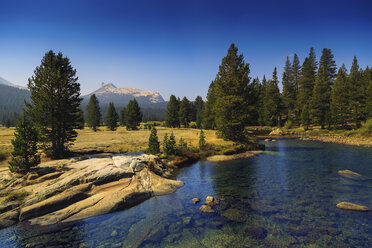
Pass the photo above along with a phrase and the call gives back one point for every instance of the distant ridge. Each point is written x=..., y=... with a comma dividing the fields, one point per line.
x=108, y=92
x=6, y=82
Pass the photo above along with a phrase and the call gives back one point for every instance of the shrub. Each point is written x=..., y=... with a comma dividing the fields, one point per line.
x=235, y=149
x=288, y=124
x=16, y=196
x=182, y=146
x=368, y=125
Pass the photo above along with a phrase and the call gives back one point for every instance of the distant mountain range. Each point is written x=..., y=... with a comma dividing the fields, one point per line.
x=152, y=103
x=121, y=96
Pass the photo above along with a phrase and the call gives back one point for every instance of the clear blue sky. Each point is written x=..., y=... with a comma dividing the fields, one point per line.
x=175, y=47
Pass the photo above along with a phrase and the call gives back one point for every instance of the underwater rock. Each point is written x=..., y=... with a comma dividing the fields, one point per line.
x=303, y=203
x=234, y=215
x=114, y=233
x=255, y=232
x=330, y=231
x=206, y=209
x=352, y=207
x=209, y=201
x=195, y=200
x=267, y=140
x=260, y=208
x=175, y=227
x=298, y=231
x=281, y=218
x=351, y=175
x=186, y=220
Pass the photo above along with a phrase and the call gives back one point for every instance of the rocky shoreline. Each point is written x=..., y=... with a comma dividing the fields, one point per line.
x=68, y=190
x=225, y=158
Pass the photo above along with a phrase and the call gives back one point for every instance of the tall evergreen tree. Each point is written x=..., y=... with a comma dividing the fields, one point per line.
x=272, y=101
x=357, y=93
x=93, y=113
x=322, y=89
x=296, y=74
x=262, y=117
x=122, y=117
x=231, y=94
x=133, y=115
x=208, y=121
x=25, y=154
x=80, y=118
x=289, y=89
x=339, y=98
x=171, y=114
x=112, y=117
x=305, y=116
x=368, y=83
x=199, y=106
x=55, y=99
x=185, y=112
x=307, y=80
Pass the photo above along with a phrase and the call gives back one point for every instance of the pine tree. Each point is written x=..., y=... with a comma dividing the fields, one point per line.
x=307, y=80
x=80, y=118
x=253, y=102
x=289, y=89
x=305, y=117
x=339, y=98
x=93, y=113
x=55, y=99
x=368, y=83
x=202, y=142
x=272, y=101
x=171, y=114
x=185, y=112
x=112, y=117
x=122, y=117
x=208, y=121
x=154, y=145
x=133, y=115
x=25, y=154
x=357, y=93
x=169, y=144
x=320, y=100
x=262, y=117
x=199, y=106
x=296, y=74
x=8, y=123
x=231, y=93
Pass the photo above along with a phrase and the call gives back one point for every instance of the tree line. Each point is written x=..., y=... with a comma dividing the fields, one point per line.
x=314, y=93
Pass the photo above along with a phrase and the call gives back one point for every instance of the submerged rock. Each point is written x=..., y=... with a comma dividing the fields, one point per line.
x=195, y=200
x=234, y=215
x=256, y=232
x=209, y=201
x=352, y=207
x=206, y=209
x=352, y=175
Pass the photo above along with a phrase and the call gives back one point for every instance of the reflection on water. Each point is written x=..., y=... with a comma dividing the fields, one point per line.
x=285, y=197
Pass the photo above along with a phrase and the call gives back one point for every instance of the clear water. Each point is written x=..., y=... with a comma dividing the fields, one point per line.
x=293, y=189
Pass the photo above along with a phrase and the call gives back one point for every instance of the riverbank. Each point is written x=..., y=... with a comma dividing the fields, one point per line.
x=352, y=137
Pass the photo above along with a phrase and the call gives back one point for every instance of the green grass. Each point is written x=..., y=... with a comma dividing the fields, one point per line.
x=19, y=196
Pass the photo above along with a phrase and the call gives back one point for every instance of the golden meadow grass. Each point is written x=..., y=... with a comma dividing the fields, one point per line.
x=121, y=140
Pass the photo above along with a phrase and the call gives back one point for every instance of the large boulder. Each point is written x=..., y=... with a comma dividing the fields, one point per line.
x=77, y=188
